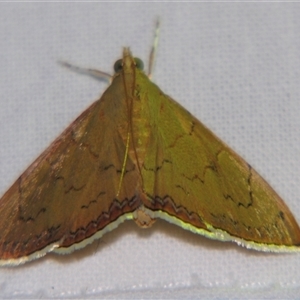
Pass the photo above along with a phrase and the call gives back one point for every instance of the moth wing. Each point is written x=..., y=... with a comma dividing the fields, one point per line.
x=198, y=182
x=70, y=191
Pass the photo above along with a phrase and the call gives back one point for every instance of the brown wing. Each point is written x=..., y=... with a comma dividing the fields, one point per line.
x=204, y=186
x=71, y=191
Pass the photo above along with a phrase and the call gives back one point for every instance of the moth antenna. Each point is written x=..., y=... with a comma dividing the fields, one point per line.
x=152, y=55
x=90, y=72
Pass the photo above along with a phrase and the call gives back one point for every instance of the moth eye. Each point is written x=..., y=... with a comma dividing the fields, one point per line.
x=118, y=66
x=139, y=63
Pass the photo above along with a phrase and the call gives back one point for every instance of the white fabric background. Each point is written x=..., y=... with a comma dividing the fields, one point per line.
x=236, y=66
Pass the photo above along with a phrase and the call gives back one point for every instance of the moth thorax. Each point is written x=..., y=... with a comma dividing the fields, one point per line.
x=143, y=217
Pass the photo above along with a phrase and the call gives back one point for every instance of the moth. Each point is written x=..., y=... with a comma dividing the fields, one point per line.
x=137, y=154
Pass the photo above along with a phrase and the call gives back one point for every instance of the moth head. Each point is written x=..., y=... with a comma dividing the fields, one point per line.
x=118, y=66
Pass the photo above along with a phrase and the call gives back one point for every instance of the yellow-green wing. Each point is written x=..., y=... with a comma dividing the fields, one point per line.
x=73, y=189
x=194, y=180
